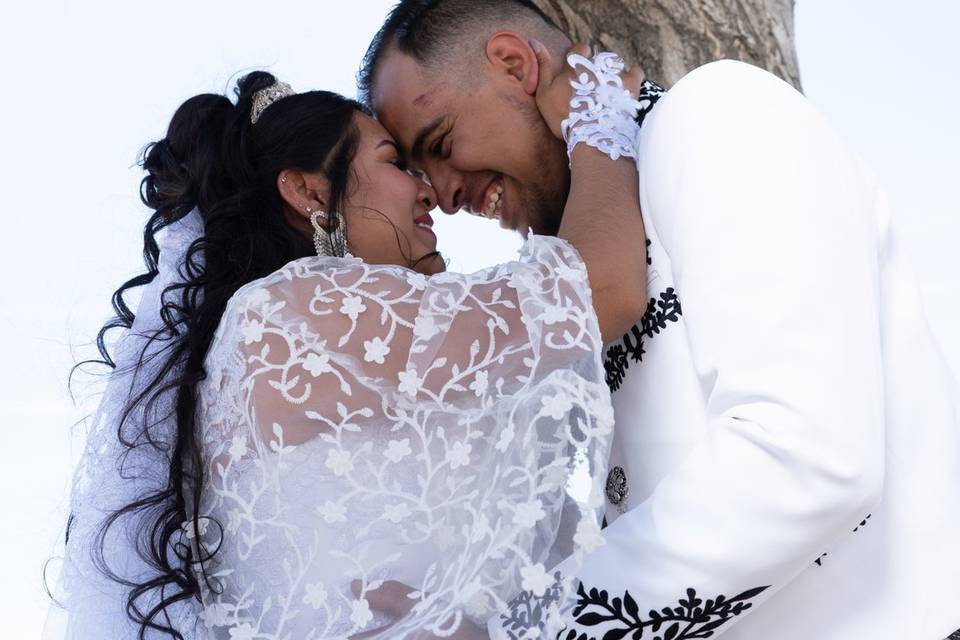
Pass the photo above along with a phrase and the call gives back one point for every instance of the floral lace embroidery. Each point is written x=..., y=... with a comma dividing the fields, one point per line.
x=366, y=423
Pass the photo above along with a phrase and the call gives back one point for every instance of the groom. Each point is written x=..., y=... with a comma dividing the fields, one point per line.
x=787, y=455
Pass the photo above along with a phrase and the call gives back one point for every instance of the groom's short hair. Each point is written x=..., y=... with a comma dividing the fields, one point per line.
x=437, y=33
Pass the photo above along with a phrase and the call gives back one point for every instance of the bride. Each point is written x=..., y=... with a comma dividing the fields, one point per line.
x=305, y=405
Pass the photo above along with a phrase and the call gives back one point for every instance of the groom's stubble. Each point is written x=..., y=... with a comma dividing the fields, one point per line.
x=545, y=200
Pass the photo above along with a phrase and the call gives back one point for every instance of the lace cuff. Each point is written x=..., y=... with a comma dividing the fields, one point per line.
x=602, y=112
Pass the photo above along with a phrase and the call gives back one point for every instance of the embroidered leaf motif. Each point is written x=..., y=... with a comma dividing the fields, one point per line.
x=692, y=618
x=662, y=310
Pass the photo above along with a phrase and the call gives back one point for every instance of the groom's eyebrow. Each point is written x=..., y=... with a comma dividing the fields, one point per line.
x=417, y=150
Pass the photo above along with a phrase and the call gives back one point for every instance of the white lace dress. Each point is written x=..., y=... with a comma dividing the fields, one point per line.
x=363, y=423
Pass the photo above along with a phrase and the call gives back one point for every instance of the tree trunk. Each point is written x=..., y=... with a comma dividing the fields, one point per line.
x=668, y=38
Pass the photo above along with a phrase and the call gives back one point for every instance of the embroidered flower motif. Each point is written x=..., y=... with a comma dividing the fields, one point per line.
x=459, y=454
x=360, y=614
x=333, y=512
x=201, y=529
x=258, y=297
x=396, y=512
x=478, y=605
x=352, y=307
x=215, y=614
x=480, y=383
x=554, y=314
x=535, y=579
x=566, y=272
x=243, y=632
x=238, y=447
x=602, y=410
x=588, y=535
x=233, y=521
x=506, y=437
x=480, y=528
x=339, y=461
x=397, y=450
x=614, y=97
x=409, y=382
x=317, y=364
x=424, y=327
x=375, y=350
x=417, y=281
x=315, y=596
x=528, y=514
x=252, y=331
x=556, y=406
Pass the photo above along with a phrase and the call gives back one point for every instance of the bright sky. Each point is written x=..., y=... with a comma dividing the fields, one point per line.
x=87, y=84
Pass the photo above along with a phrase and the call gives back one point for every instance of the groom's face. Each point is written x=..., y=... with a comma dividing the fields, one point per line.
x=475, y=136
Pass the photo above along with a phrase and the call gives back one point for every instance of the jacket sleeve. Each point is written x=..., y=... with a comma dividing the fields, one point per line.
x=770, y=228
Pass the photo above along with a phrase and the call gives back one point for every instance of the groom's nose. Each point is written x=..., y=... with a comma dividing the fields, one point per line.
x=449, y=186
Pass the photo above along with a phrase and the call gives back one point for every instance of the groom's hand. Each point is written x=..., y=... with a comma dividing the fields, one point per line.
x=392, y=598
x=553, y=83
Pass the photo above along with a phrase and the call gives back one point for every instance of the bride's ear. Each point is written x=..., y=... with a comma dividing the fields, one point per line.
x=303, y=192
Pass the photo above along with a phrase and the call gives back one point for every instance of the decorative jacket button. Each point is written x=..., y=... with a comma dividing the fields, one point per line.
x=617, y=488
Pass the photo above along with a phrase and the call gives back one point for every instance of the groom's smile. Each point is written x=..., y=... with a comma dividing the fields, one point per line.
x=478, y=137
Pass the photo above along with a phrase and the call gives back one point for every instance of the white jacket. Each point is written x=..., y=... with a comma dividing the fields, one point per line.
x=788, y=432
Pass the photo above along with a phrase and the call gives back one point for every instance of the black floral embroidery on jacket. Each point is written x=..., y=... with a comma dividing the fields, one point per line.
x=650, y=94
x=617, y=358
x=863, y=523
x=692, y=618
x=660, y=311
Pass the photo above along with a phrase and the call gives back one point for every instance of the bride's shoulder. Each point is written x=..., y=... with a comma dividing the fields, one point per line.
x=319, y=279
x=300, y=270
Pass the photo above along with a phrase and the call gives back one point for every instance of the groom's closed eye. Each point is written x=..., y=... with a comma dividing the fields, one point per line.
x=416, y=150
x=436, y=149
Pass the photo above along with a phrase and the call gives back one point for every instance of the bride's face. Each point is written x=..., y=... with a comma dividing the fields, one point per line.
x=387, y=209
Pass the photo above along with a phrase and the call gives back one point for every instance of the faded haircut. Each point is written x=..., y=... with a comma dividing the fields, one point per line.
x=451, y=34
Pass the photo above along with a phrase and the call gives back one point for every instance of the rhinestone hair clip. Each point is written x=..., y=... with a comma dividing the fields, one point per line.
x=266, y=97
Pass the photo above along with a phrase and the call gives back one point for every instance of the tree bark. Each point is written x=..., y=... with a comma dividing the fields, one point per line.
x=669, y=38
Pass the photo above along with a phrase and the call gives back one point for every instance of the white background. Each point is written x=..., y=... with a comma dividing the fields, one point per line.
x=85, y=85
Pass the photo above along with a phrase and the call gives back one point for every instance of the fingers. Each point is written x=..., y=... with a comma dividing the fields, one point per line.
x=581, y=48
x=391, y=598
x=633, y=79
x=544, y=63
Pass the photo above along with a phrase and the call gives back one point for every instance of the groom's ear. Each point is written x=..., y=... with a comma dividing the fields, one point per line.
x=511, y=59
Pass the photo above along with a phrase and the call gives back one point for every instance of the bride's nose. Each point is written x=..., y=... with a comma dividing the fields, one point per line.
x=426, y=194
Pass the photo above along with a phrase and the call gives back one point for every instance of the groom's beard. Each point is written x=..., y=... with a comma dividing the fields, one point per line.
x=547, y=186
x=547, y=202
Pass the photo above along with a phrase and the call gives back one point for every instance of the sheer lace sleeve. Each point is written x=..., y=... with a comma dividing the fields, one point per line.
x=369, y=423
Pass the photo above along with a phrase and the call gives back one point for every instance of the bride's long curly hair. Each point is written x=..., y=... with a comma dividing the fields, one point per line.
x=213, y=159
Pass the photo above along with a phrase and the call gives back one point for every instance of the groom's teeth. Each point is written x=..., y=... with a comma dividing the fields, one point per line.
x=493, y=204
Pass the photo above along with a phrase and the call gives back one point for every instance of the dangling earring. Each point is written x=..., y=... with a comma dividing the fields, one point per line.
x=321, y=239
x=328, y=243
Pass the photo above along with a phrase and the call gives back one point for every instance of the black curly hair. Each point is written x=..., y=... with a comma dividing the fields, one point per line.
x=215, y=160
